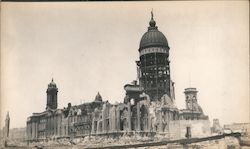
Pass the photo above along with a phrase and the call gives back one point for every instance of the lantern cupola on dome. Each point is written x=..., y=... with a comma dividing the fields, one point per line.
x=153, y=37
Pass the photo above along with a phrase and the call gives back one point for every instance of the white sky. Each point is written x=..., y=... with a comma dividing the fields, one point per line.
x=91, y=47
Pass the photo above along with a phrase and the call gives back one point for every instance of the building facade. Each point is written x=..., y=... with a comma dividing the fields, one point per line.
x=148, y=108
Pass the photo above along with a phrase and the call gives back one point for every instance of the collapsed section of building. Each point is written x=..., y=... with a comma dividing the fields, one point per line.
x=148, y=108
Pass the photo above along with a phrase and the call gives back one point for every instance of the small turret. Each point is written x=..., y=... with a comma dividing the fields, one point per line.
x=191, y=100
x=98, y=97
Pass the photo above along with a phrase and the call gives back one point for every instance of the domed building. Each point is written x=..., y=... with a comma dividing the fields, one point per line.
x=153, y=67
x=148, y=109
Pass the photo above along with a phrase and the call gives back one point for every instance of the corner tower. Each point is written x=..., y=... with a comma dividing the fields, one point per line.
x=153, y=67
x=191, y=98
x=52, y=95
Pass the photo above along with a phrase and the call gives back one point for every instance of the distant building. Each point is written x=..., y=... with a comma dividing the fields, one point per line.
x=17, y=134
x=238, y=127
x=148, y=108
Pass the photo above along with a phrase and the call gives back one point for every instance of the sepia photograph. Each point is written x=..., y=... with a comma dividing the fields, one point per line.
x=141, y=74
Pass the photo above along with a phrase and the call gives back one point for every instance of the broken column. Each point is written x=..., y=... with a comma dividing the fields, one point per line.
x=138, y=117
x=160, y=120
x=129, y=116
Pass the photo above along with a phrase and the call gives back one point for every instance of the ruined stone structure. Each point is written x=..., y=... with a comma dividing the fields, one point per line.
x=193, y=110
x=216, y=128
x=148, y=108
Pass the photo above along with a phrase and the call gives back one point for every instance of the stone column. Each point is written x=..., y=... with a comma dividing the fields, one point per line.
x=67, y=128
x=113, y=119
x=103, y=119
x=118, y=119
x=27, y=131
x=46, y=127
x=149, y=121
x=93, y=126
x=129, y=116
x=33, y=130
x=36, y=130
x=55, y=124
x=138, y=117
x=59, y=124
x=111, y=122
x=160, y=118
x=49, y=127
x=170, y=116
x=98, y=127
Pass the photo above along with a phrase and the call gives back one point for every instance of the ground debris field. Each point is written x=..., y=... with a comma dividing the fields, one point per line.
x=226, y=142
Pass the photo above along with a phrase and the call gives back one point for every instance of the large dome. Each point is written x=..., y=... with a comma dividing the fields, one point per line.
x=153, y=37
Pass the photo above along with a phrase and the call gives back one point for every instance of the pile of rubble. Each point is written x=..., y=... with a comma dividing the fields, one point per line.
x=97, y=141
x=101, y=141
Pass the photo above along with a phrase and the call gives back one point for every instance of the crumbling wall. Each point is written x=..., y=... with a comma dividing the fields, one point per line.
x=199, y=128
x=174, y=130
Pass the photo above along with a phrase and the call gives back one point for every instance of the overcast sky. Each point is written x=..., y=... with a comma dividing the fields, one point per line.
x=91, y=47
